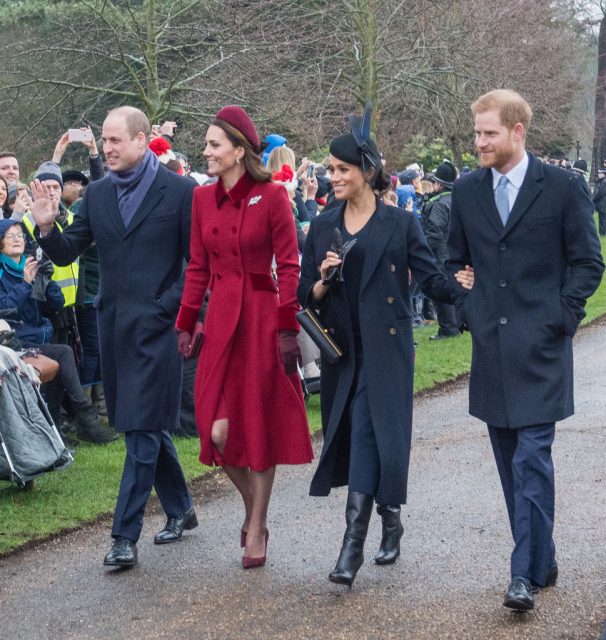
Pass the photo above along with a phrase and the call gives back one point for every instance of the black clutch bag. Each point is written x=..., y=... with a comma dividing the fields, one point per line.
x=197, y=340
x=308, y=319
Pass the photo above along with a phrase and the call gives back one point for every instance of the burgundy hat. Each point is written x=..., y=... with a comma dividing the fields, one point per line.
x=239, y=119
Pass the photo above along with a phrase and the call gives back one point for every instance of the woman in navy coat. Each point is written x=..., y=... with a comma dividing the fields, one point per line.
x=366, y=397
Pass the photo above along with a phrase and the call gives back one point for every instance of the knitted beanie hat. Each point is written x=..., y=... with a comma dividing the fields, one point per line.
x=49, y=171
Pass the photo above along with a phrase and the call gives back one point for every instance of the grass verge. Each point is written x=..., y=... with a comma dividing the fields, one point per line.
x=87, y=490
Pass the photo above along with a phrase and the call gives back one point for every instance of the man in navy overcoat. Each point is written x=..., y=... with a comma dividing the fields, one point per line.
x=139, y=215
x=528, y=231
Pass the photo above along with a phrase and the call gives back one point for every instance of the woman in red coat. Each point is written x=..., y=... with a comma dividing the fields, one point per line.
x=249, y=405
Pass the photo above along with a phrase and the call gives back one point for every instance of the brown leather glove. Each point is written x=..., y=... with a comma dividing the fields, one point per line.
x=290, y=353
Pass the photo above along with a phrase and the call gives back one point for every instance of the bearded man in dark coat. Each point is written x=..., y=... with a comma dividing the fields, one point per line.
x=139, y=215
x=528, y=231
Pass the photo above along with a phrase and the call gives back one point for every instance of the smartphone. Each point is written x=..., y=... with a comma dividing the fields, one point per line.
x=311, y=167
x=79, y=135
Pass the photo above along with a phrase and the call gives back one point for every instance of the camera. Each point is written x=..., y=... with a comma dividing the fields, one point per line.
x=311, y=167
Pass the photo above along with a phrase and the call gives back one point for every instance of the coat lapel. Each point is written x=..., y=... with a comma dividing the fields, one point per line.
x=380, y=234
x=529, y=192
x=150, y=202
x=113, y=210
x=485, y=200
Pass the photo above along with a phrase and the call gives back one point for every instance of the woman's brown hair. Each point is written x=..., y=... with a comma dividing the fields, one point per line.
x=5, y=210
x=252, y=162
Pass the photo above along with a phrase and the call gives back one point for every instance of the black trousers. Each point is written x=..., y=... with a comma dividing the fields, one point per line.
x=151, y=461
x=447, y=319
x=67, y=380
x=90, y=369
x=525, y=466
x=602, y=222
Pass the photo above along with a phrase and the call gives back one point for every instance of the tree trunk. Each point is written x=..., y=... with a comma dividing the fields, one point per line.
x=599, y=135
x=365, y=21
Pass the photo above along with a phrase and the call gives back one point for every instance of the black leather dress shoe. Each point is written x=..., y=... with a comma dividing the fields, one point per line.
x=122, y=554
x=174, y=527
x=519, y=595
x=550, y=581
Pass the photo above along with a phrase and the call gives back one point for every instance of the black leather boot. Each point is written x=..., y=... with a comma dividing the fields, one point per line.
x=392, y=532
x=89, y=428
x=357, y=517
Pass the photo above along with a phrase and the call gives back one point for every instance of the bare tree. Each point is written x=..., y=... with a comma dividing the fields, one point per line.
x=299, y=66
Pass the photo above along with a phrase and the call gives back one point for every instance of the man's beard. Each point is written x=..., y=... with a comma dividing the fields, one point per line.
x=498, y=158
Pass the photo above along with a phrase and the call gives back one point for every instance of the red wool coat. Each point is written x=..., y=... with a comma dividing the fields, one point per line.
x=234, y=237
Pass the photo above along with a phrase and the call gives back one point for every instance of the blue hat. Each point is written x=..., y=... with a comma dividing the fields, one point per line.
x=6, y=224
x=273, y=141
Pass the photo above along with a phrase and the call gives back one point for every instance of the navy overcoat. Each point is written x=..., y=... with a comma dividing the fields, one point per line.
x=532, y=278
x=395, y=245
x=139, y=294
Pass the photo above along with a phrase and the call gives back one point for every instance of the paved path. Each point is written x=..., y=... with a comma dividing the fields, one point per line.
x=449, y=582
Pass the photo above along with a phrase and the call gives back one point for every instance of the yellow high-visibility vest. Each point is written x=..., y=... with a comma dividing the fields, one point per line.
x=65, y=277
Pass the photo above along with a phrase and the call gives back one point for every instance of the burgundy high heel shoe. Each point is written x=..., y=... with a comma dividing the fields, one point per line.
x=243, y=538
x=253, y=563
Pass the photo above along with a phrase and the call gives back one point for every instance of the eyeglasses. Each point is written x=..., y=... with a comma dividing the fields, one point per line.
x=15, y=236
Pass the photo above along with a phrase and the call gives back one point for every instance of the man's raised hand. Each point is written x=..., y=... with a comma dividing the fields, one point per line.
x=42, y=209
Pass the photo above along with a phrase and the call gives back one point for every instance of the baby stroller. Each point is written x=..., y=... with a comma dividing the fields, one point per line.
x=30, y=444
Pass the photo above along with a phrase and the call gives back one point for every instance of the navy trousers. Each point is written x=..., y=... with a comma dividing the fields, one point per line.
x=364, y=465
x=523, y=458
x=151, y=461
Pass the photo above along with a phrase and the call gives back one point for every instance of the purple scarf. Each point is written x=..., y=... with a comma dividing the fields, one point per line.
x=132, y=186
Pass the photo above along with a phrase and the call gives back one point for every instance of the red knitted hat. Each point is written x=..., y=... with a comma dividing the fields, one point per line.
x=239, y=119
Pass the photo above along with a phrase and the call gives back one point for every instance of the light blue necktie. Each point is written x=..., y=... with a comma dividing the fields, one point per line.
x=501, y=198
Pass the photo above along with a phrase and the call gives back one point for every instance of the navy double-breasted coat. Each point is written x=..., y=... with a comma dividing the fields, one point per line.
x=532, y=279
x=396, y=244
x=139, y=293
